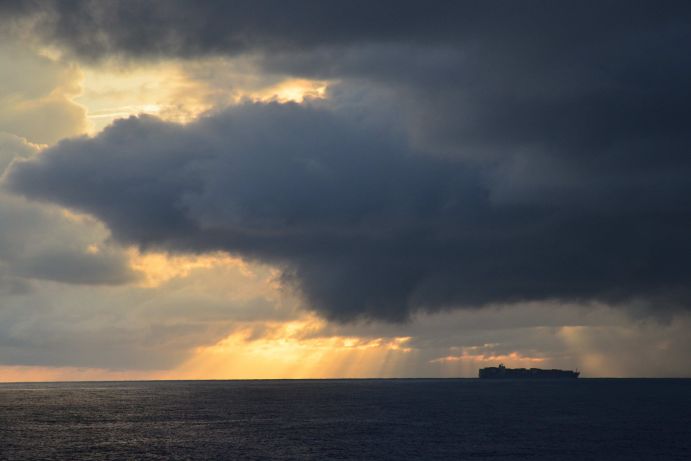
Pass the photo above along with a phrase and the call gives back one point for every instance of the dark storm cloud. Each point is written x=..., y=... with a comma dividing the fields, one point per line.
x=364, y=225
x=563, y=129
x=534, y=29
x=591, y=86
x=92, y=29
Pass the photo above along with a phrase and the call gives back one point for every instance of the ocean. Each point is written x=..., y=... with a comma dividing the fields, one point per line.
x=399, y=419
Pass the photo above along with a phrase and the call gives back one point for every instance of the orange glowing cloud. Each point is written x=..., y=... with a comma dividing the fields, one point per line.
x=159, y=267
x=293, y=90
x=181, y=93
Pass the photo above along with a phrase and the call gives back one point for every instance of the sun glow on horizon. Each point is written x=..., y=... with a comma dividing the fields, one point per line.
x=274, y=350
x=297, y=349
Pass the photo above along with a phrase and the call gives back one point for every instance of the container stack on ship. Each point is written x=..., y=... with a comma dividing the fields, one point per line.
x=501, y=372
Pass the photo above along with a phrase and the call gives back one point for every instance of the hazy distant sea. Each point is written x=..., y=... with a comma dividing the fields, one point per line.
x=584, y=419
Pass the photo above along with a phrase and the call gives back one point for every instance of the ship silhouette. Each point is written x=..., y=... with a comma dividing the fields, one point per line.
x=501, y=372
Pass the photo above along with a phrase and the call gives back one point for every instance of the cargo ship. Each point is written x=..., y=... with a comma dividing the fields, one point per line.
x=501, y=372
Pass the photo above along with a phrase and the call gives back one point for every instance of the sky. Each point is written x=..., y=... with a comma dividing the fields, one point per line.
x=258, y=189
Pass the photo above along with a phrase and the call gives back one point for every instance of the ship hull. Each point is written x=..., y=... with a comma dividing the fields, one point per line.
x=525, y=373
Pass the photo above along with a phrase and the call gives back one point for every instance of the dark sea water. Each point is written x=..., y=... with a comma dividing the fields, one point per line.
x=584, y=419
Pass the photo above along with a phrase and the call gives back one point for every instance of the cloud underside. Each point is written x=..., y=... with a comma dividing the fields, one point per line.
x=472, y=153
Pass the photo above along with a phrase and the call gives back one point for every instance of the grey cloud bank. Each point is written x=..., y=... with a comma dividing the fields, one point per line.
x=39, y=242
x=131, y=328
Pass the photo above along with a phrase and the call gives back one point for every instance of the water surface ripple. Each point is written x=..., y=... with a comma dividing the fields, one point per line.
x=584, y=419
